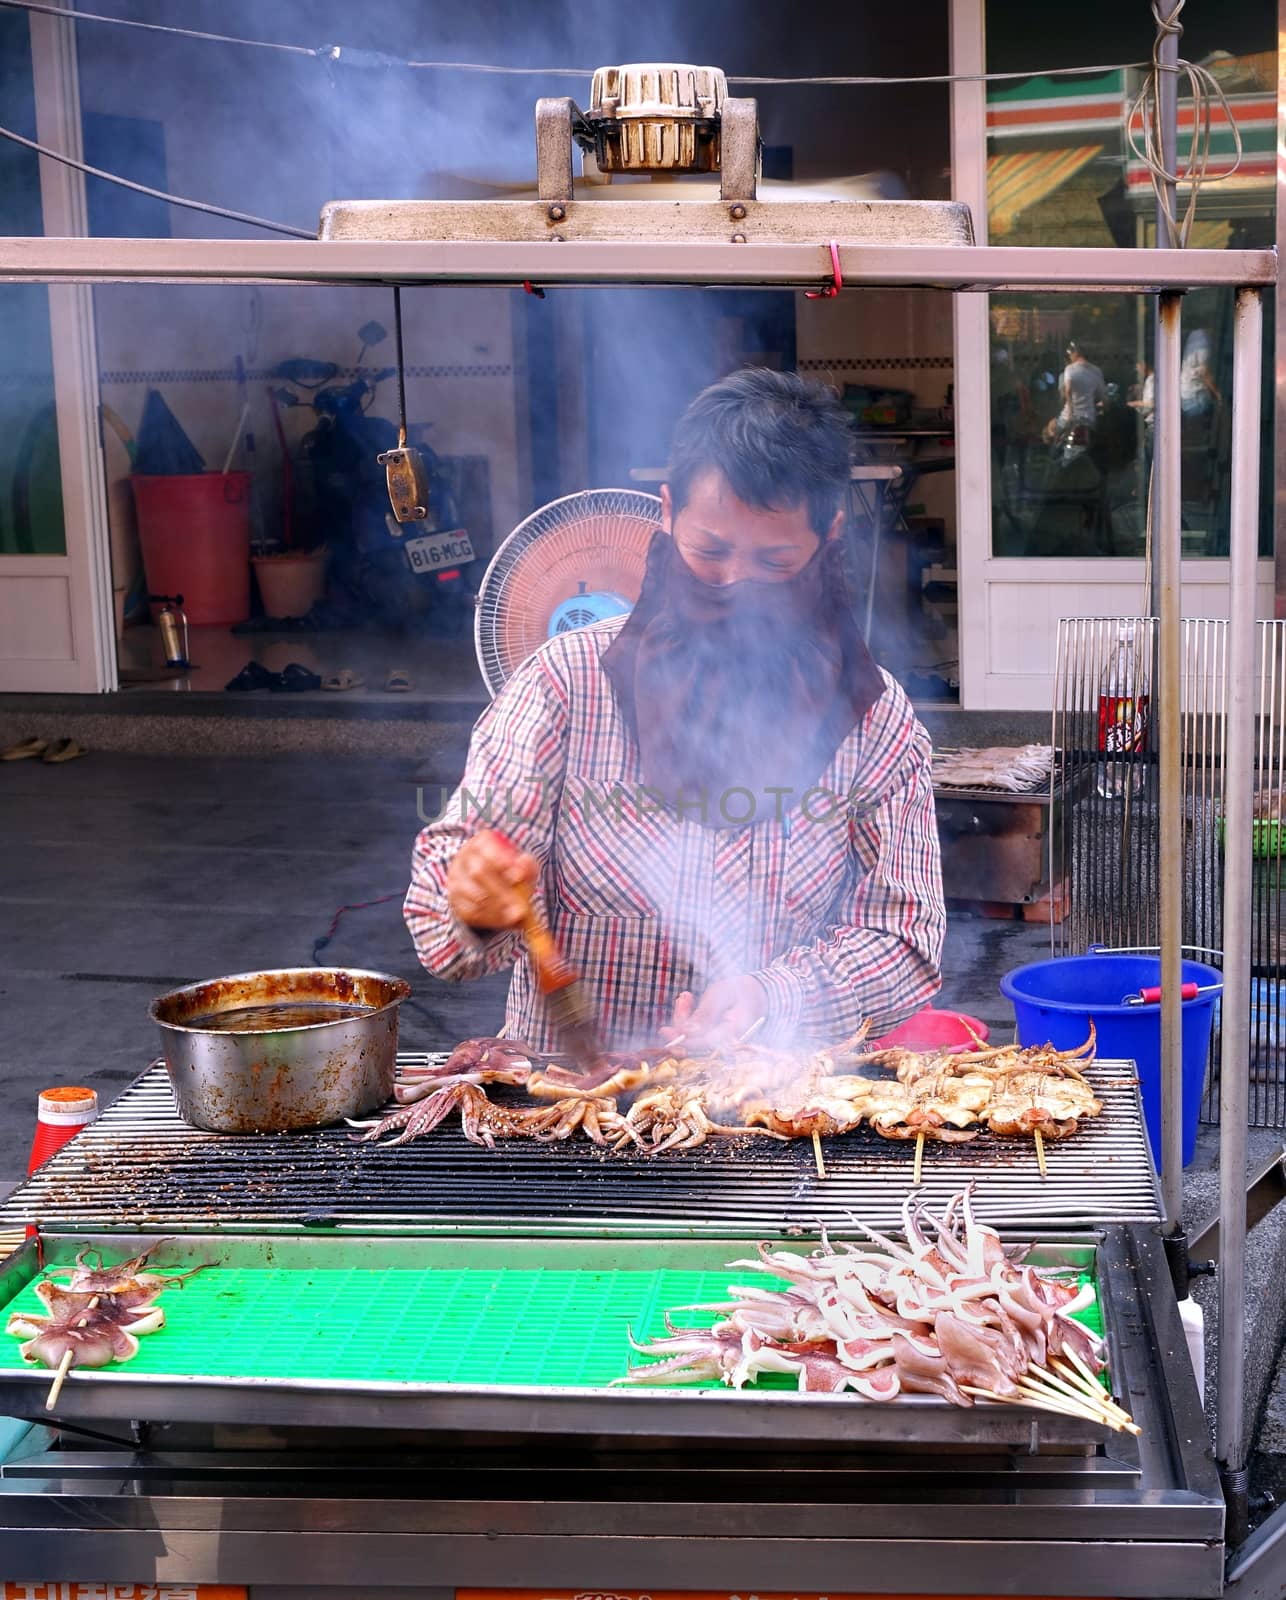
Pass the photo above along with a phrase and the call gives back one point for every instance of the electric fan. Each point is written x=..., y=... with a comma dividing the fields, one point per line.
x=575, y=561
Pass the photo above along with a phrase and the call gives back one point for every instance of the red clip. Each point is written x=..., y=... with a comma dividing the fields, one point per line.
x=836, y=283
x=530, y=288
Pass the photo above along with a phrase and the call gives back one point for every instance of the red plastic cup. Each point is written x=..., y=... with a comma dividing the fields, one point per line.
x=60, y=1115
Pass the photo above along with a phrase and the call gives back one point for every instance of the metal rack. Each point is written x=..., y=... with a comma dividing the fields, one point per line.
x=1110, y=848
x=1167, y=273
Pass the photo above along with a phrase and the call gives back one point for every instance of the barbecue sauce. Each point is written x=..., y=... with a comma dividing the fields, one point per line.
x=279, y=1014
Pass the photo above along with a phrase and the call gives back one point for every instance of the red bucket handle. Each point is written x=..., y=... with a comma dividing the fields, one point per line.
x=1152, y=994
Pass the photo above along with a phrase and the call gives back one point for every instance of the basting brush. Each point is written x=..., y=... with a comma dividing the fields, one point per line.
x=563, y=989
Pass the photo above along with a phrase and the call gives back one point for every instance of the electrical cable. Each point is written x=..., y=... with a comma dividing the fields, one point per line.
x=935, y=77
x=153, y=27
x=401, y=367
x=357, y=905
x=355, y=56
x=1204, y=89
x=155, y=194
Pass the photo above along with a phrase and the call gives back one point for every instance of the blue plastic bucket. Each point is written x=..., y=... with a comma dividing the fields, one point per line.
x=1055, y=1002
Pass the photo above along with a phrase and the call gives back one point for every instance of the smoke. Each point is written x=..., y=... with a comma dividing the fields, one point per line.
x=280, y=135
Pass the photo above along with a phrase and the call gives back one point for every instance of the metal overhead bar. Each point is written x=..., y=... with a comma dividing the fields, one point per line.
x=686, y=263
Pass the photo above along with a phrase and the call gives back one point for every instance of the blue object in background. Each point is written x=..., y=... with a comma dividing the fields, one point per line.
x=1055, y=1002
x=582, y=609
x=1266, y=998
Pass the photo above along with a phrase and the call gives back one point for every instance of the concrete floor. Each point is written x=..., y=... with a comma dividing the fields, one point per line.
x=439, y=669
x=126, y=875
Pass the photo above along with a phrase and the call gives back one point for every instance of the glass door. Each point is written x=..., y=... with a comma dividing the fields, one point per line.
x=51, y=637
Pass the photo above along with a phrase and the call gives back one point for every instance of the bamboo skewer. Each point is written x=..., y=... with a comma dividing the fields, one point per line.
x=919, y=1159
x=1084, y=1386
x=55, y=1389
x=64, y=1366
x=1038, y=1394
x=817, y=1155
x=1072, y=1395
x=1090, y=1383
x=1100, y=1399
x=1041, y=1401
x=1047, y=1378
x=1080, y=1366
x=751, y=1031
x=1040, y=1153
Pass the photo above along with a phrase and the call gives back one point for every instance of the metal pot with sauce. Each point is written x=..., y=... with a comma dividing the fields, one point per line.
x=269, y=1052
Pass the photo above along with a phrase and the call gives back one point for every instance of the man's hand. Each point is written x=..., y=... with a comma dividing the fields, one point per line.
x=483, y=880
x=723, y=1013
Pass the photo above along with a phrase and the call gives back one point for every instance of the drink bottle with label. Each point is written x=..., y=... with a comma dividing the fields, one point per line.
x=1123, y=708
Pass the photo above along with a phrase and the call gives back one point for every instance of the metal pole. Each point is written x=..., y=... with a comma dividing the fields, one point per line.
x=1167, y=101
x=1239, y=783
x=1167, y=91
x=1167, y=691
x=1277, y=486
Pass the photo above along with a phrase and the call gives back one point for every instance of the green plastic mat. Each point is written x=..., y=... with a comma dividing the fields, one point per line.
x=547, y=1327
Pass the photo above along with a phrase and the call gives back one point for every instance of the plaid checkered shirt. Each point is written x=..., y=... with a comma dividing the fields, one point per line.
x=833, y=903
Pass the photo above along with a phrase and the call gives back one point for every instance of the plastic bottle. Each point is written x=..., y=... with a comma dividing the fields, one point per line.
x=1123, y=712
x=1194, y=1332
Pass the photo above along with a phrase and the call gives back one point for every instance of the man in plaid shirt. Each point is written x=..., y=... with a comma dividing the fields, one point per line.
x=724, y=807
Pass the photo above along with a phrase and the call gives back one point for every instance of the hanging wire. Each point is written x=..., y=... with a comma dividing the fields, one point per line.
x=155, y=194
x=1205, y=92
x=341, y=54
x=401, y=367
x=153, y=27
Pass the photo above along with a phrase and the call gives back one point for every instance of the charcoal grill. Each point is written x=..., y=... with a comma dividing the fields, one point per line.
x=162, y=1174
x=187, y=1475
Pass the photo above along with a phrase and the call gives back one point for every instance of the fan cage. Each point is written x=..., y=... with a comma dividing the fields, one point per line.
x=598, y=537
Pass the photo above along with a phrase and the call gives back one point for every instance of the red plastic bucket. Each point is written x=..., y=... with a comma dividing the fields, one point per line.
x=194, y=529
x=935, y=1030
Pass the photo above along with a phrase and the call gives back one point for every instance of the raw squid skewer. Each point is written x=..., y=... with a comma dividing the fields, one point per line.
x=950, y=1313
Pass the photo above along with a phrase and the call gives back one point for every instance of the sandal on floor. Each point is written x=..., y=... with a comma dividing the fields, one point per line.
x=62, y=750
x=295, y=679
x=398, y=681
x=347, y=679
x=254, y=675
x=25, y=749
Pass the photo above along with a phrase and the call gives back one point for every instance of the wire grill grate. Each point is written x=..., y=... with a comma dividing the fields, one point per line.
x=140, y=1167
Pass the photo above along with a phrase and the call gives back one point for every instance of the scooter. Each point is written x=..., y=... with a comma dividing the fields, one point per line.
x=402, y=576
